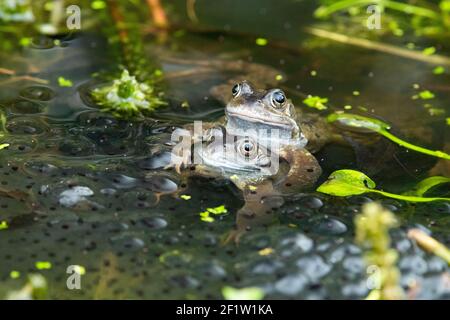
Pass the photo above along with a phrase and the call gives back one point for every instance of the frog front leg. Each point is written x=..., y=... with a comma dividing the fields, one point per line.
x=304, y=170
x=260, y=201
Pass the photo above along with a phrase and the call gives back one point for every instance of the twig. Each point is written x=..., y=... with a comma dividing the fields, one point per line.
x=377, y=46
x=23, y=78
x=7, y=71
x=158, y=14
x=429, y=244
x=190, y=10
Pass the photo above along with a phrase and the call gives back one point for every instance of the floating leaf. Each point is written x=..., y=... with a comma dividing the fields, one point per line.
x=205, y=216
x=43, y=265
x=439, y=70
x=80, y=270
x=261, y=41
x=98, y=5
x=185, y=197
x=217, y=210
x=3, y=225
x=251, y=293
x=4, y=145
x=342, y=183
x=63, y=82
x=265, y=251
x=14, y=274
x=357, y=121
x=429, y=51
x=426, y=95
x=316, y=102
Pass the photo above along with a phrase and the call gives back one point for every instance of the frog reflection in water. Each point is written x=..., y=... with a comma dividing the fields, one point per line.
x=260, y=173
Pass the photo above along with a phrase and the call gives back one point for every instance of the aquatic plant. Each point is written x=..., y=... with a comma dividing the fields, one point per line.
x=3, y=131
x=316, y=102
x=251, y=293
x=35, y=289
x=206, y=215
x=357, y=121
x=426, y=18
x=343, y=183
x=126, y=97
x=16, y=11
x=430, y=244
x=372, y=233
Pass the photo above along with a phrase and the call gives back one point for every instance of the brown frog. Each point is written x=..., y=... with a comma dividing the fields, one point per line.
x=258, y=172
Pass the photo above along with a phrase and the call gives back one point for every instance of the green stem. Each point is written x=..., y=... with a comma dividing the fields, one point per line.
x=407, y=198
x=437, y=153
x=325, y=11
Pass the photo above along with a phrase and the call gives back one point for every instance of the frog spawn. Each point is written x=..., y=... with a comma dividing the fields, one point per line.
x=123, y=238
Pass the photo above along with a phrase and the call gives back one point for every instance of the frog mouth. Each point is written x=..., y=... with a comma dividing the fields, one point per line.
x=263, y=120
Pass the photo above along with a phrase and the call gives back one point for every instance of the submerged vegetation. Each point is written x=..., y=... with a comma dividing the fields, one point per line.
x=85, y=184
x=36, y=288
x=127, y=98
x=357, y=121
x=16, y=11
x=372, y=233
x=425, y=18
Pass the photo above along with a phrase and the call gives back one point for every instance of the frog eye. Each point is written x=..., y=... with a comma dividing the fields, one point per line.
x=236, y=90
x=278, y=98
x=247, y=148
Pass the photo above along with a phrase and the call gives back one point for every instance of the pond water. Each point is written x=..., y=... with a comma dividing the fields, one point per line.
x=92, y=189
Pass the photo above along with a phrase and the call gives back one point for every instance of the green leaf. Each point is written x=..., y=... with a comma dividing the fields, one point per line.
x=439, y=70
x=316, y=102
x=426, y=95
x=3, y=225
x=429, y=51
x=261, y=41
x=343, y=183
x=251, y=293
x=357, y=122
x=425, y=185
x=63, y=82
x=43, y=265
x=98, y=5
x=217, y=210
